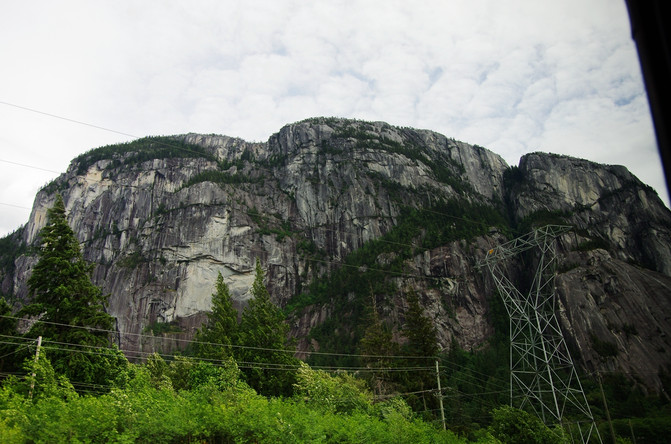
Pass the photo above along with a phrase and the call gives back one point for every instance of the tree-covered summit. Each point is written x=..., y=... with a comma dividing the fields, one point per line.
x=142, y=150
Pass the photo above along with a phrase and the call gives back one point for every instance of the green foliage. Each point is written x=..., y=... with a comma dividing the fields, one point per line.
x=263, y=334
x=473, y=382
x=646, y=430
x=271, y=224
x=8, y=331
x=422, y=342
x=185, y=373
x=220, y=178
x=512, y=425
x=417, y=230
x=376, y=344
x=541, y=218
x=55, y=186
x=41, y=381
x=158, y=371
x=418, y=329
x=230, y=412
x=132, y=260
x=513, y=177
x=444, y=169
x=141, y=150
x=371, y=268
x=222, y=375
x=604, y=348
x=188, y=400
x=338, y=393
x=215, y=337
x=70, y=307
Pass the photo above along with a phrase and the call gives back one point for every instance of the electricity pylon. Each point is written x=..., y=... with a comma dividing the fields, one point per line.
x=542, y=374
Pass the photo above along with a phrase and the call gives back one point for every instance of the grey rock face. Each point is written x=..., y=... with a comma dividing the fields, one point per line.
x=616, y=313
x=603, y=201
x=160, y=229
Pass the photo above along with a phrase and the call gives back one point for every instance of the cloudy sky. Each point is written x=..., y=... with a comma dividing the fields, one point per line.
x=514, y=76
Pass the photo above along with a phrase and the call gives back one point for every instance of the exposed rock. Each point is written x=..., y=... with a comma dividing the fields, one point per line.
x=160, y=227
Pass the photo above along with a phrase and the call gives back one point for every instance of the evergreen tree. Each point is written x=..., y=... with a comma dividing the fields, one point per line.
x=215, y=337
x=264, y=361
x=70, y=308
x=419, y=330
x=377, y=345
x=423, y=343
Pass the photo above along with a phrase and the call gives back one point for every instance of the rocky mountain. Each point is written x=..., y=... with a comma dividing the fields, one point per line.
x=340, y=212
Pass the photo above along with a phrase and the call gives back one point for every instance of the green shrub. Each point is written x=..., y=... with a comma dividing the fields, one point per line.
x=334, y=393
x=511, y=425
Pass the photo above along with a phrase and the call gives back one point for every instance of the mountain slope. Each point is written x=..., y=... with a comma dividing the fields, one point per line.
x=339, y=211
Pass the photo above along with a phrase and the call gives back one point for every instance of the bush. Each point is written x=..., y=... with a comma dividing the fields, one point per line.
x=338, y=393
x=511, y=425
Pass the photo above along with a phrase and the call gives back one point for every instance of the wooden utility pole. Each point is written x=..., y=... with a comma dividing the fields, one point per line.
x=440, y=396
x=37, y=357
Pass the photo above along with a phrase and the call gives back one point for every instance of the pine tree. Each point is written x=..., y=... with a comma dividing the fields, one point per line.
x=219, y=332
x=420, y=331
x=377, y=345
x=423, y=343
x=70, y=308
x=264, y=361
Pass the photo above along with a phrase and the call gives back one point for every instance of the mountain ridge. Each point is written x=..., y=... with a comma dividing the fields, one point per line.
x=161, y=216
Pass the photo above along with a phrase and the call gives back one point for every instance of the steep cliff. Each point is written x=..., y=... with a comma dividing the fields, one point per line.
x=339, y=211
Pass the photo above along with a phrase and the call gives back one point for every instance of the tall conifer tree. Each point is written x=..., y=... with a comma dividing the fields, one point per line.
x=264, y=361
x=70, y=308
x=377, y=345
x=420, y=331
x=219, y=332
x=423, y=343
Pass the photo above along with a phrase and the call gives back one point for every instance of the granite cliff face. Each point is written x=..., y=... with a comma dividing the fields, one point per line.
x=160, y=217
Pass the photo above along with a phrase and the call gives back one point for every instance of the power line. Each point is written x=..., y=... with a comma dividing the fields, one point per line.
x=55, y=116
x=30, y=166
x=191, y=341
x=92, y=350
x=185, y=149
x=15, y=206
x=262, y=365
x=158, y=142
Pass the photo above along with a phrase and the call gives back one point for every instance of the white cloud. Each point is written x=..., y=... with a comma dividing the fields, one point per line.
x=514, y=76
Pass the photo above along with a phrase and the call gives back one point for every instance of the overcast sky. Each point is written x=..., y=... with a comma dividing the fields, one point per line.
x=514, y=76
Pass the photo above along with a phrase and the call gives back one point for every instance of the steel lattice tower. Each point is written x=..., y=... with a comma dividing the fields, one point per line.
x=542, y=374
